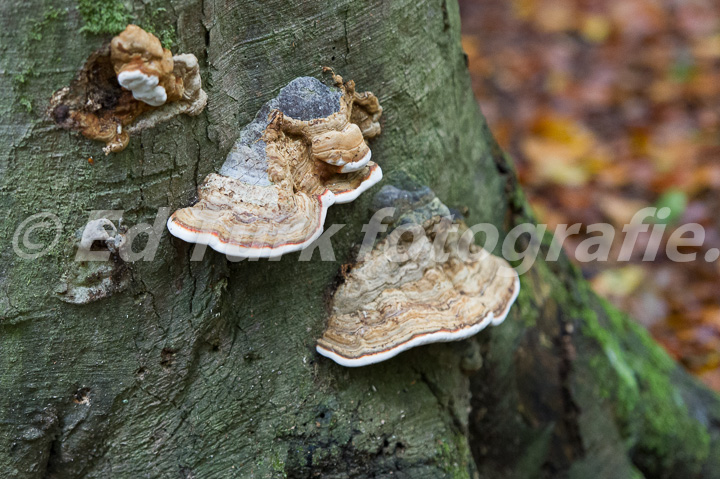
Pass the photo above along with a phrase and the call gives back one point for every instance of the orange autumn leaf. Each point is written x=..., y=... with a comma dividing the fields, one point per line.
x=563, y=151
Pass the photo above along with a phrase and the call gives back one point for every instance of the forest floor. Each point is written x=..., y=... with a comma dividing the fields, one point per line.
x=610, y=107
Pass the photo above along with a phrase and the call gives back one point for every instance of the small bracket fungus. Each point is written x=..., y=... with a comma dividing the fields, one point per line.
x=128, y=86
x=93, y=278
x=436, y=287
x=304, y=151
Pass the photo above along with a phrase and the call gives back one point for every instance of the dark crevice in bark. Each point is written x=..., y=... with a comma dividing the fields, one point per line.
x=568, y=447
x=457, y=423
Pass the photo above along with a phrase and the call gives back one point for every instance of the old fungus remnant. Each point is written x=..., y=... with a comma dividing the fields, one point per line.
x=128, y=86
x=436, y=286
x=90, y=279
x=304, y=151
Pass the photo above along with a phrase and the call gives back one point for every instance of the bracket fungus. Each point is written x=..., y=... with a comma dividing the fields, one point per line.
x=90, y=279
x=437, y=287
x=304, y=151
x=128, y=86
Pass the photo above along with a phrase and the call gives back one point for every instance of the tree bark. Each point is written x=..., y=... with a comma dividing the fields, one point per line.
x=207, y=369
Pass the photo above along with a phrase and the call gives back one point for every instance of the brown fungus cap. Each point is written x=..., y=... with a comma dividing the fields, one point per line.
x=410, y=292
x=139, y=55
x=299, y=156
x=126, y=87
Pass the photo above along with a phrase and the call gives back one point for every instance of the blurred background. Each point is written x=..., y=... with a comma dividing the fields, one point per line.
x=608, y=107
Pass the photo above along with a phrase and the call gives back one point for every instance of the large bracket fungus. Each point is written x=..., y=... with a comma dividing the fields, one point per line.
x=304, y=151
x=128, y=86
x=436, y=287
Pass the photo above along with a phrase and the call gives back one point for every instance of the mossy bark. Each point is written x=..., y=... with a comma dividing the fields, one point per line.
x=207, y=369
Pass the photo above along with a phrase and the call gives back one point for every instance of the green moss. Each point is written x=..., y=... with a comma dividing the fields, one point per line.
x=616, y=377
x=21, y=77
x=167, y=36
x=278, y=465
x=25, y=101
x=635, y=373
x=636, y=376
x=20, y=82
x=39, y=26
x=103, y=16
x=524, y=302
x=157, y=23
x=111, y=17
x=454, y=457
x=636, y=474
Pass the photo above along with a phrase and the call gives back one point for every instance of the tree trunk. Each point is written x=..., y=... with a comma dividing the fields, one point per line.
x=207, y=369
